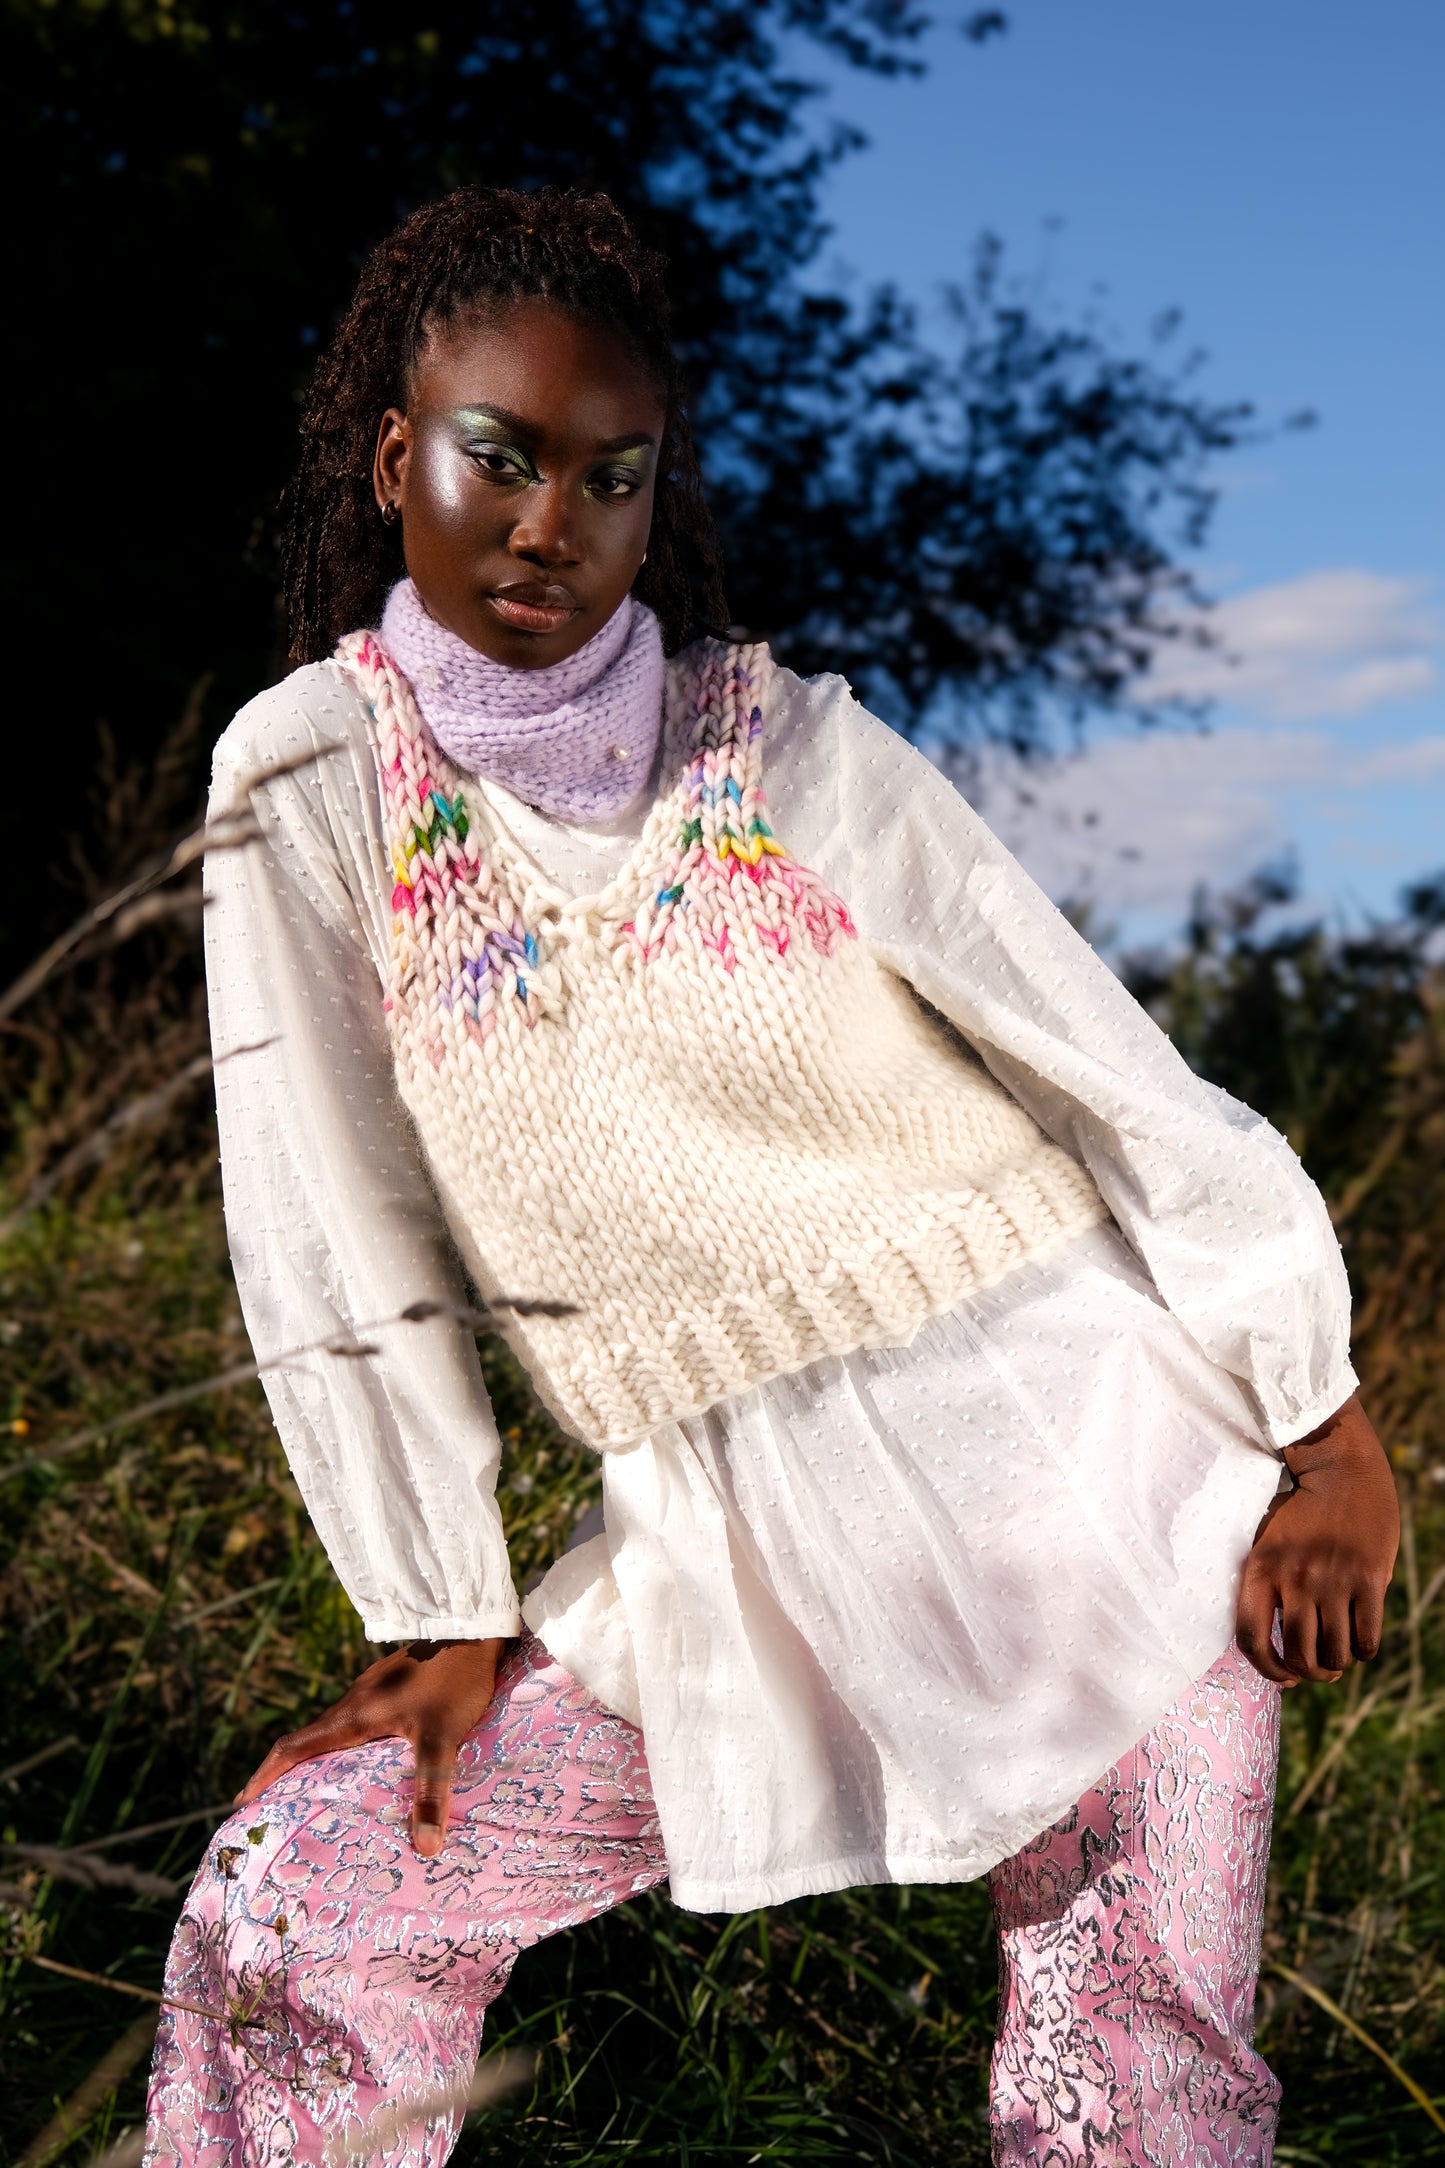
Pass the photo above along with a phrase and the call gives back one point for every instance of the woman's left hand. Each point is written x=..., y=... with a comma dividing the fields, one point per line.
x=433, y=1694
x=1323, y=1556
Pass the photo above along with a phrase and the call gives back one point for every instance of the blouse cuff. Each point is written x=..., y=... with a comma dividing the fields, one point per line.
x=1282, y=1434
x=501, y=1625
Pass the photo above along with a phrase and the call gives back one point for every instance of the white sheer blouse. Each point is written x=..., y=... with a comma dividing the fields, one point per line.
x=883, y=1619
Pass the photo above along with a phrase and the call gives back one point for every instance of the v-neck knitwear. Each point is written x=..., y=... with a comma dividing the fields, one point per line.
x=883, y=1616
x=693, y=1108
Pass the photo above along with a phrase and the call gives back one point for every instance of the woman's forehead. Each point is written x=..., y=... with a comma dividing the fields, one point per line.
x=537, y=364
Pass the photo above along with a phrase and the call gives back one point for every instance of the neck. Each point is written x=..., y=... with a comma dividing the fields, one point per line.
x=576, y=739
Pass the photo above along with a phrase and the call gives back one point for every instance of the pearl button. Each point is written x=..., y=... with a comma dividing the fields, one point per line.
x=619, y=752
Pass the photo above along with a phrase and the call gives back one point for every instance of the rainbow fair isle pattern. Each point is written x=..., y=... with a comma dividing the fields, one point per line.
x=696, y=1107
x=726, y=884
x=460, y=938
x=726, y=871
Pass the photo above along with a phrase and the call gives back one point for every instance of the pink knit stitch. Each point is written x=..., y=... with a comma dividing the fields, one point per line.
x=576, y=740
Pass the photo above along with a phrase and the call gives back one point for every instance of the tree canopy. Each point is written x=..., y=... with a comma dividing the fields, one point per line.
x=986, y=525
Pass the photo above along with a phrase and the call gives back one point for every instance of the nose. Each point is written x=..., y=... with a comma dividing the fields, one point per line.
x=546, y=532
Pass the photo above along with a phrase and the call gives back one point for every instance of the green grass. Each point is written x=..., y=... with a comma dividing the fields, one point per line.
x=166, y=1609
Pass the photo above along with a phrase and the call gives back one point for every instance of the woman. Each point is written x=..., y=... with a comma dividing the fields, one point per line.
x=944, y=1338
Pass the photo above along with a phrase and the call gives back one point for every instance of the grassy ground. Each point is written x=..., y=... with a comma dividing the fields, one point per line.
x=165, y=1610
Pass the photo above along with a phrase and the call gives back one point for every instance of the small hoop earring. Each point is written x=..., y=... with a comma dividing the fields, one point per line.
x=644, y=560
x=390, y=513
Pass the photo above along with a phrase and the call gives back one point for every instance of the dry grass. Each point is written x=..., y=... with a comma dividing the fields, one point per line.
x=165, y=1610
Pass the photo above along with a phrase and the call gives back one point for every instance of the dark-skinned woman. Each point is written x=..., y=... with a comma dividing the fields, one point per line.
x=980, y=1449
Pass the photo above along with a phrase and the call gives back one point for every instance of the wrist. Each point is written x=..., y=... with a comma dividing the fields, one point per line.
x=1345, y=1439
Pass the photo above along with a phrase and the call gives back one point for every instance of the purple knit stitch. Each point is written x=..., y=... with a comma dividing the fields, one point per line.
x=576, y=740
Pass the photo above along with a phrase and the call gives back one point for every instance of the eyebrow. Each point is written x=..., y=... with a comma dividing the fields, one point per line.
x=638, y=440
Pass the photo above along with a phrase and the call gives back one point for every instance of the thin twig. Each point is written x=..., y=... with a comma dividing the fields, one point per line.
x=216, y=1813
x=1342, y=2017
x=33, y=1761
x=352, y=1349
x=229, y=1603
x=66, y=1865
x=127, y=2152
x=141, y=1113
x=155, y=910
x=70, y=2120
x=230, y=831
x=492, y=2081
x=239, y=1374
x=127, y=1987
x=1432, y=1589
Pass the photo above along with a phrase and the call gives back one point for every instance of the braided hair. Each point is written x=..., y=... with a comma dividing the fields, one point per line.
x=476, y=249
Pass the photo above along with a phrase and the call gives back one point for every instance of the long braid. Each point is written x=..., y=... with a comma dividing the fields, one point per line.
x=477, y=247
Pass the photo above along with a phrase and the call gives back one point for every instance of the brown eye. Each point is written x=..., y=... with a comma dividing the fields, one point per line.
x=615, y=487
x=500, y=462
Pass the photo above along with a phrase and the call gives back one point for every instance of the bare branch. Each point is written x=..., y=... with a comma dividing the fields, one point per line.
x=494, y=2080
x=68, y=1866
x=351, y=1349
x=215, y=1813
x=231, y=830
x=125, y=1987
x=33, y=1761
x=141, y=1113
x=67, y=2123
x=154, y=910
x=127, y=2152
x=417, y=1313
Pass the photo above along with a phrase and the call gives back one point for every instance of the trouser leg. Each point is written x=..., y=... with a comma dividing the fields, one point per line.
x=1129, y=1949
x=325, y=1976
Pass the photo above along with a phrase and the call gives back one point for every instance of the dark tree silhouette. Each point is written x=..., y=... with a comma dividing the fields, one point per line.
x=192, y=182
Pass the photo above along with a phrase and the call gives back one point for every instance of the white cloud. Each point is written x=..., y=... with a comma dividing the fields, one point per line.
x=1335, y=642
x=1137, y=824
x=1419, y=761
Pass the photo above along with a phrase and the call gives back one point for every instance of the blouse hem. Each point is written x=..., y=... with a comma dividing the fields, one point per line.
x=828, y=1876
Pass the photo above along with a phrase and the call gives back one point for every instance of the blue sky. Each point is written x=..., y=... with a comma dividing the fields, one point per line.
x=1276, y=169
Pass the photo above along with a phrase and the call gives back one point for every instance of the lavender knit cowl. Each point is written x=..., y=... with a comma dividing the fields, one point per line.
x=576, y=740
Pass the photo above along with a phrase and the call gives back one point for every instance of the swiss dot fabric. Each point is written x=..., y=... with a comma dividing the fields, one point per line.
x=834, y=1171
x=1037, y=1509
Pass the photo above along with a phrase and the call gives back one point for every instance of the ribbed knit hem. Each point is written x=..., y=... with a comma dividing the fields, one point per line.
x=478, y=1626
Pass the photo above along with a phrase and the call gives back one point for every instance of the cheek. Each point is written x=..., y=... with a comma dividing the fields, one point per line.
x=442, y=492
x=627, y=532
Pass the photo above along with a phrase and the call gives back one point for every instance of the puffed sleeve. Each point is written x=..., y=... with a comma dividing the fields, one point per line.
x=333, y=1226
x=1211, y=1198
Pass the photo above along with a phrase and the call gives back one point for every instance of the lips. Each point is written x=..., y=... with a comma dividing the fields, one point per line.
x=534, y=609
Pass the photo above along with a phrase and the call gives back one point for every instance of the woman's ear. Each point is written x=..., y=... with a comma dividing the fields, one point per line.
x=388, y=472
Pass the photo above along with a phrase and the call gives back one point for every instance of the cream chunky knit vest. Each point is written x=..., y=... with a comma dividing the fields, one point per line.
x=696, y=1105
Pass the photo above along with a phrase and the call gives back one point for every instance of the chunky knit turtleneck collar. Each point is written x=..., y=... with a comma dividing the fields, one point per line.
x=576, y=740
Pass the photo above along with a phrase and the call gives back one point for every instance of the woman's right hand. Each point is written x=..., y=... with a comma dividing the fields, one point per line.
x=433, y=1694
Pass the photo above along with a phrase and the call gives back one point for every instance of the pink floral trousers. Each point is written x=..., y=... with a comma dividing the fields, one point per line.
x=330, y=1987
x=1129, y=1949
